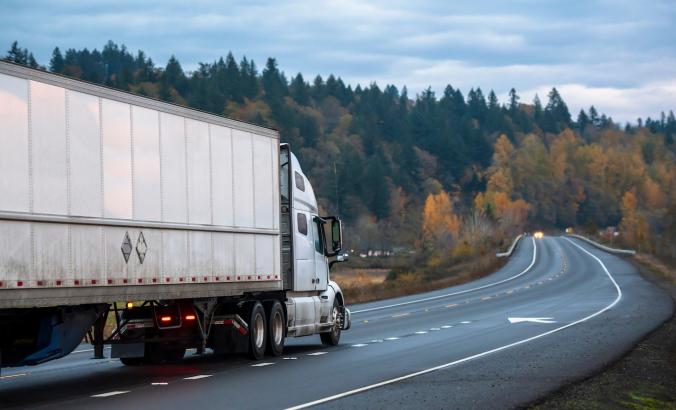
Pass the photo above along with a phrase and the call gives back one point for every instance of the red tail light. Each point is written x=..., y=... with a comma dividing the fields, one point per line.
x=189, y=317
x=165, y=319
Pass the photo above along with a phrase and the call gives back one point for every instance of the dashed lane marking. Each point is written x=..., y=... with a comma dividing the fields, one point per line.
x=392, y=338
x=465, y=322
x=317, y=353
x=402, y=314
x=110, y=393
x=452, y=305
x=262, y=364
x=421, y=332
x=434, y=329
x=377, y=341
x=11, y=376
x=485, y=297
x=360, y=345
x=88, y=350
x=159, y=384
x=290, y=358
x=446, y=326
x=199, y=376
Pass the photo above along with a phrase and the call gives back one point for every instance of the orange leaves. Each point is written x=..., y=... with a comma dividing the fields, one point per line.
x=441, y=226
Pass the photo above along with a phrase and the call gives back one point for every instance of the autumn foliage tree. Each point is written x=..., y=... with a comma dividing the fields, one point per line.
x=441, y=225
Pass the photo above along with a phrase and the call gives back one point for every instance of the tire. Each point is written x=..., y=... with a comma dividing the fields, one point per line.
x=257, y=331
x=276, y=325
x=332, y=337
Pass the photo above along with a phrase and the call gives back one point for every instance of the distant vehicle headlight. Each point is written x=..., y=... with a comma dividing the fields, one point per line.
x=538, y=234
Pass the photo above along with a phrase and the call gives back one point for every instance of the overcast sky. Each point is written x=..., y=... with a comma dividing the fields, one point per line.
x=619, y=55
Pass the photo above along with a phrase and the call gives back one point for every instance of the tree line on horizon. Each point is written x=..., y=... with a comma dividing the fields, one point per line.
x=429, y=172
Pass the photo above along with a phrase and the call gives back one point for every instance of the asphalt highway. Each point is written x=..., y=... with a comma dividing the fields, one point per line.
x=558, y=311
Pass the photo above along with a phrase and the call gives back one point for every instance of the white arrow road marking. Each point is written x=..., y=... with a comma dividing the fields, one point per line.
x=199, y=376
x=112, y=393
x=531, y=319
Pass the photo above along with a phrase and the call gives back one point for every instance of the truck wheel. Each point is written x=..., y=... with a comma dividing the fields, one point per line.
x=257, y=331
x=276, y=324
x=333, y=337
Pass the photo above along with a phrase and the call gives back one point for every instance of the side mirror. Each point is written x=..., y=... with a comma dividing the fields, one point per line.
x=336, y=236
x=333, y=236
x=342, y=257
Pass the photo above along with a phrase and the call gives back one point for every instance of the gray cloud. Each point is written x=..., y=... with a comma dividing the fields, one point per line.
x=618, y=55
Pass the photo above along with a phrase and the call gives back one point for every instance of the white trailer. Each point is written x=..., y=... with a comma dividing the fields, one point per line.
x=205, y=227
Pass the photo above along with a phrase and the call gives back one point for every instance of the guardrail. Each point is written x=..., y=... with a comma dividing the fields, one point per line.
x=603, y=247
x=511, y=248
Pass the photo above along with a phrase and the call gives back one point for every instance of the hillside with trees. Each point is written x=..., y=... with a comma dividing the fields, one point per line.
x=447, y=174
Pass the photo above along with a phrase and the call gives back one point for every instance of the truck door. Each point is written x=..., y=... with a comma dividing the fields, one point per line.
x=303, y=241
x=321, y=262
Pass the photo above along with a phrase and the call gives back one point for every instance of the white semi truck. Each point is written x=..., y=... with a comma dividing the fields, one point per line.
x=186, y=229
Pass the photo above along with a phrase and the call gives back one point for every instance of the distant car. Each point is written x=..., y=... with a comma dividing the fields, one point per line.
x=538, y=234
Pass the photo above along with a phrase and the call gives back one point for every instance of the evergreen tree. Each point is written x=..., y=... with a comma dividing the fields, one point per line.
x=300, y=90
x=56, y=63
x=17, y=55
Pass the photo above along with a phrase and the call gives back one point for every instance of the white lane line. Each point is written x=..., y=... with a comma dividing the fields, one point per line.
x=11, y=376
x=111, y=393
x=317, y=353
x=478, y=355
x=199, y=376
x=421, y=332
x=465, y=322
x=262, y=364
x=290, y=358
x=360, y=345
x=88, y=350
x=454, y=293
x=401, y=314
x=446, y=326
x=377, y=341
x=434, y=329
x=159, y=384
x=392, y=338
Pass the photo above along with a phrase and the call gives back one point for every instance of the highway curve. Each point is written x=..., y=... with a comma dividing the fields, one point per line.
x=573, y=309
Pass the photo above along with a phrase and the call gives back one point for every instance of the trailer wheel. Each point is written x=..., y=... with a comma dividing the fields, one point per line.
x=276, y=324
x=333, y=336
x=257, y=331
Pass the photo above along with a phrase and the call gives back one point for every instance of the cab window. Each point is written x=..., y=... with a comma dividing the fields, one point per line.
x=318, y=239
x=301, y=222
